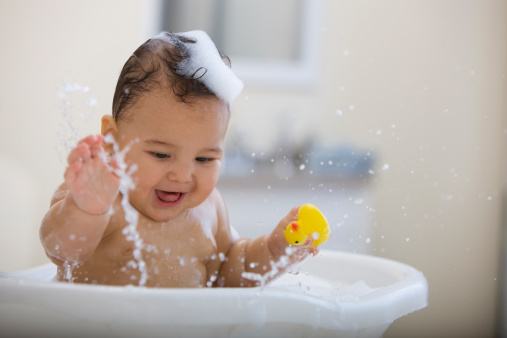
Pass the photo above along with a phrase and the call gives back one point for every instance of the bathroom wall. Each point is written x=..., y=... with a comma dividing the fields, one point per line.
x=422, y=83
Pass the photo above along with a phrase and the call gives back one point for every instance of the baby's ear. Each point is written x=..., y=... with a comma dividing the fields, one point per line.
x=108, y=126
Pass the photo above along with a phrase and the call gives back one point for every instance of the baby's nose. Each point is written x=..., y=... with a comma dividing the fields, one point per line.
x=180, y=172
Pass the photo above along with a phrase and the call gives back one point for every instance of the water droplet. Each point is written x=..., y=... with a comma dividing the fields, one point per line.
x=302, y=167
x=385, y=166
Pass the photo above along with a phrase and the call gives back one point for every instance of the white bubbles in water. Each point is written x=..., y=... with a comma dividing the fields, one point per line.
x=385, y=166
x=302, y=167
x=368, y=240
x=339, y=112
x=358, y=201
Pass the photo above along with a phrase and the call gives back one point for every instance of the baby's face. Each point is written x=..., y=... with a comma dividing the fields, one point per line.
x=178, y=150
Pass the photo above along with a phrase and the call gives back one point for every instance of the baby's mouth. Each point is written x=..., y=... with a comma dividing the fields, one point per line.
x=169, y=197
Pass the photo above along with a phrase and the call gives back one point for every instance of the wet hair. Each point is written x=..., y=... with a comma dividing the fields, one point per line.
x=155, y=64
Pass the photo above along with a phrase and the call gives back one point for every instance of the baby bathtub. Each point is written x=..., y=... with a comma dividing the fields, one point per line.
x=335, y=294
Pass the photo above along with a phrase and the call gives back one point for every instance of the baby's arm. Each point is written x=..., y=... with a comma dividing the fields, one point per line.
x=255, y=256
x=79, y=214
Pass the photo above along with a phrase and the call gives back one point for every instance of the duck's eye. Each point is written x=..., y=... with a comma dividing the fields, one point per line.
x=297, y=242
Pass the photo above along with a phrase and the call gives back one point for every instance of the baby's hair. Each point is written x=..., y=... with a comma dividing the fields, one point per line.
x=156, y=63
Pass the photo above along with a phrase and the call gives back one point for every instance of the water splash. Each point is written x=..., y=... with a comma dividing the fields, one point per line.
x=276, y=267
x=68, y=268
x=76, y=105
x=124, y=172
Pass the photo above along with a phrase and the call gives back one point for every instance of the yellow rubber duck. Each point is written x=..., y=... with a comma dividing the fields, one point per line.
x=311, y=222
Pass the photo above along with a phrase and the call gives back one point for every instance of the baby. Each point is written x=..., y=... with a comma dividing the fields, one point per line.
x=171, y=107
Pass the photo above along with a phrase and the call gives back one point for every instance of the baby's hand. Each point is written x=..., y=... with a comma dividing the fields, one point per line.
x=90, y=181
x=278, y=244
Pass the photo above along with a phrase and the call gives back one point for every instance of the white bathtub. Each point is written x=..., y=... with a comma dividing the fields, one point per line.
x=335, y=295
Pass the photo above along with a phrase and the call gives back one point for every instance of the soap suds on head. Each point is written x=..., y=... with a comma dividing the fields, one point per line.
x=206, y=65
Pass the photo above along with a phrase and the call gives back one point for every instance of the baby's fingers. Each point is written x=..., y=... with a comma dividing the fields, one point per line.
x=72, y=171
x=309, y=247
x=91, y=140
x=80, y=152
x=96, y=146
x=290, y=217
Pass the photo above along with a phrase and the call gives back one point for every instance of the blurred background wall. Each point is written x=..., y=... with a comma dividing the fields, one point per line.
x=420, y=83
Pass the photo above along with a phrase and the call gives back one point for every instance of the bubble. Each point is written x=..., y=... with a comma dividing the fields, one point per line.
x=358, y=201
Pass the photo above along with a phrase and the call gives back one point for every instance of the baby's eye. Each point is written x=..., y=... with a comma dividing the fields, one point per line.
x=204, y=159
x=159, y=155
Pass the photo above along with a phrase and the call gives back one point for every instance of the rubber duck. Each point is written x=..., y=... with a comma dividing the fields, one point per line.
x=310, y=222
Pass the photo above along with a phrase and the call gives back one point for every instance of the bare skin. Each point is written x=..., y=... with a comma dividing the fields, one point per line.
x=188, y=241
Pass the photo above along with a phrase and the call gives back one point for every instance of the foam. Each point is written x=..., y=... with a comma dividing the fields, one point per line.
x=217, y=76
